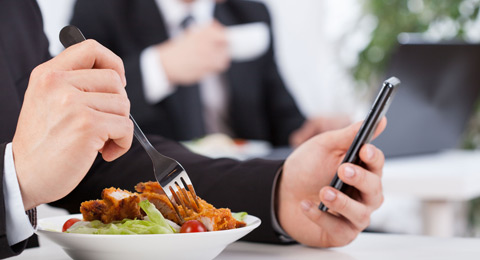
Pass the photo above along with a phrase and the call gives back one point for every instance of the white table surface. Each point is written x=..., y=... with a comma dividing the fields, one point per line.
x=366, y=246
x=442, y=182
x=449, y=175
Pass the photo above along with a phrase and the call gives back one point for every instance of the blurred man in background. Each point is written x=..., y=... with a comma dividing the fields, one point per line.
x=186, y=77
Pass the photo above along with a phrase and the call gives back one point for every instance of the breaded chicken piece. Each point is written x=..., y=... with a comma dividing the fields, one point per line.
x=93, y=209
x=153, y=192
x=162, y=203
x=211, y=217
x=150, y=186
x=217, y=219
x=116, y=205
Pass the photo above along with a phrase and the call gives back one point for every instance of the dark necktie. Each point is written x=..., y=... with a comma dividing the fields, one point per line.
x=187, y=21
x=186, y=110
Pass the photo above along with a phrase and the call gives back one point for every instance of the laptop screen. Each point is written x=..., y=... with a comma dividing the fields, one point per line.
x=431, y=109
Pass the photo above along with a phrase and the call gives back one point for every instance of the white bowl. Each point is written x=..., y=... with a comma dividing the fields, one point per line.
x=205, y=245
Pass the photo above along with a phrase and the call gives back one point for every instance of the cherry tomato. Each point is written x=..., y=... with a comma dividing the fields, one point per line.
x=69, y=223
x=240, y=142
x=193, y=226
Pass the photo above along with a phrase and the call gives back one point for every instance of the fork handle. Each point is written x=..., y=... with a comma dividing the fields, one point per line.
x=142, y=138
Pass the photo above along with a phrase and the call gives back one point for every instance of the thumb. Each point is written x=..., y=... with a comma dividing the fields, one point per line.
x=343, y=138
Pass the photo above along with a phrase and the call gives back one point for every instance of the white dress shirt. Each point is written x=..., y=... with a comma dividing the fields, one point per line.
x=19, y=227
x=212, y=87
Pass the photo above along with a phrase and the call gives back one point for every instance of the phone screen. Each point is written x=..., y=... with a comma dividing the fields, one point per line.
x=377, y=111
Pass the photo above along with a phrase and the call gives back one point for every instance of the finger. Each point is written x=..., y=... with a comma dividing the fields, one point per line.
x=219, y=32
x=217, y=25
x=222, y=61
x=302, y=134
x=333, y=225
x=112, y=150
x=373, y=158
x=367, y=183
x=380, y=127
x=96, y=80
x=87, y=55
x=343, y=138
x=356, y=213
x=105, y=102
x=116, y=132
x=295, y=139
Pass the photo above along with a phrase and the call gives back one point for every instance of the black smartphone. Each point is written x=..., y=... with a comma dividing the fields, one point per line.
x=377, y=111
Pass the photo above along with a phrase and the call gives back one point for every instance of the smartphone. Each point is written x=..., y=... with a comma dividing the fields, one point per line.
x=378, y=110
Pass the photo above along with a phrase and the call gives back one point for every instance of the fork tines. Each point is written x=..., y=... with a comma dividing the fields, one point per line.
x=168, y=172
x=183, y=197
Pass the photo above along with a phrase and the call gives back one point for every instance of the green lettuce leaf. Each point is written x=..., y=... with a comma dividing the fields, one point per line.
x=155, y=216
x=240, y=216
x=156, y=224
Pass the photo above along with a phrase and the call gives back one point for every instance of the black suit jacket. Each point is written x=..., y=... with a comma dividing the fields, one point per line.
x=245, y=186
x=259, y=105
x=22, y=47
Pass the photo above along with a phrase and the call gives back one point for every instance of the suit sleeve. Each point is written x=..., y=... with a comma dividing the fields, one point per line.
x=240, y=186
x=5, y=249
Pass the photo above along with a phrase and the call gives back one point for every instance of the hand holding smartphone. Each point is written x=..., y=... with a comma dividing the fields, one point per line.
x=378, y=110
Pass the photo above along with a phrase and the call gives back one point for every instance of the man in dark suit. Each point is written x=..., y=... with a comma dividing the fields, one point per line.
x=197, y=87
x=72, y=108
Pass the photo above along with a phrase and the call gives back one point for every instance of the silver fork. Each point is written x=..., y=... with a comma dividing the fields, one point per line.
x=168, y=172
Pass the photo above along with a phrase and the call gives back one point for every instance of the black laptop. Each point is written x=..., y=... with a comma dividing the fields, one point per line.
x=432, y=107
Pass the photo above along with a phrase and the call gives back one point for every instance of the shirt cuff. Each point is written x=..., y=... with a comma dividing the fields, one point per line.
x=282, y=234
x=155, y=82
x=18, y=223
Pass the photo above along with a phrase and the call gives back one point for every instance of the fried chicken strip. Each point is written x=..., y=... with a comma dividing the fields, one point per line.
x=116, y=204
x=211, y=217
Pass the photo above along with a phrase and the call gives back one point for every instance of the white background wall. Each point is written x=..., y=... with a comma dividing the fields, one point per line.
x=317, y=43
x=313, y=48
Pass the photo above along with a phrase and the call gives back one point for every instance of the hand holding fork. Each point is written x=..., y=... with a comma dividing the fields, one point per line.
x=168, y=172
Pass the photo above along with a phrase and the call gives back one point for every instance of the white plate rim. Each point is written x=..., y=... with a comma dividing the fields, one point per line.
x=252, y=223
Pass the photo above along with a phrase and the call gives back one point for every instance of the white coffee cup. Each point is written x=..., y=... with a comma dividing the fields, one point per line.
x=248, y=41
